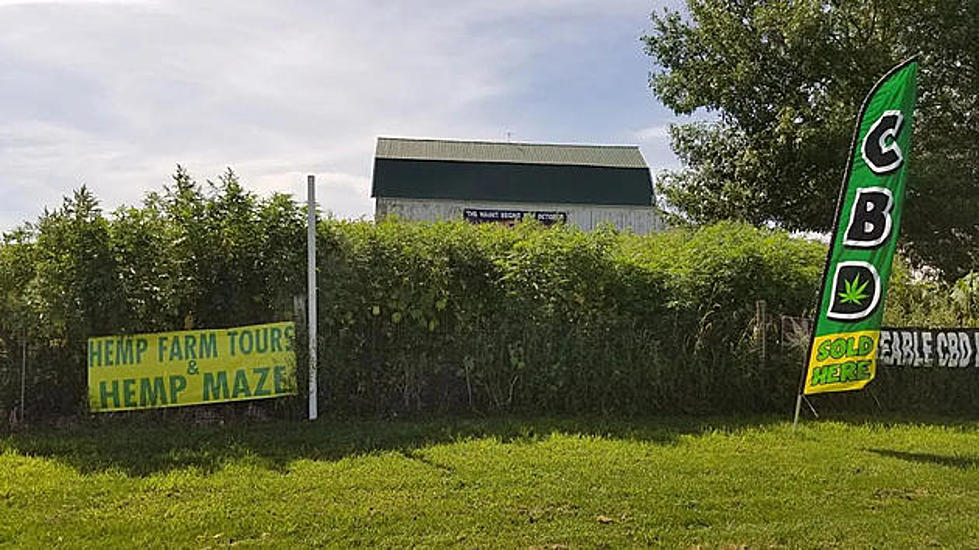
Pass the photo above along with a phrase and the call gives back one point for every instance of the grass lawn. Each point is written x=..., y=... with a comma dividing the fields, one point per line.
x=544, y=483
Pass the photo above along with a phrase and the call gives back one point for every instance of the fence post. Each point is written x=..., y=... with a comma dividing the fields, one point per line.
x=23, y=376
x=761, y=325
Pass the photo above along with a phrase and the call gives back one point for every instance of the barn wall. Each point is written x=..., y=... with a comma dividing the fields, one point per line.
x=639, y=219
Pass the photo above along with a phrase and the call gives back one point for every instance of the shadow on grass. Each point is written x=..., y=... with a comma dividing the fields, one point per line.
x=888, y=420
x=142, y=449
x=960, y=462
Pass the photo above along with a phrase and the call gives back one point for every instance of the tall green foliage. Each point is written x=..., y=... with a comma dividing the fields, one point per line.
x=922, y=301
x=414, y=317
x=453, y=316
x=193, y=255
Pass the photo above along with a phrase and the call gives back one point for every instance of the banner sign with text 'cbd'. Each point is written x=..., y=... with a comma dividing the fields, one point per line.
x=843, y=350
x=193, y=367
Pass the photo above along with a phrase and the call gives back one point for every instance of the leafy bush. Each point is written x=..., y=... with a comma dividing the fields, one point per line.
x=924, y=301
x=417, y=318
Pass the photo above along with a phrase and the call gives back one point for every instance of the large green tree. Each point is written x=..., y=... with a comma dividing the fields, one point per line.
x=785, y=80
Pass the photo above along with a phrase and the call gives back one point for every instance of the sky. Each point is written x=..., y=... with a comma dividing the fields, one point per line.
x=115, y=94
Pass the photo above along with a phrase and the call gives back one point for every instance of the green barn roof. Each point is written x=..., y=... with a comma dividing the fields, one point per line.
x=511, y=172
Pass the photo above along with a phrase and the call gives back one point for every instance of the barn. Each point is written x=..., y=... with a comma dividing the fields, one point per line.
x=480, y=181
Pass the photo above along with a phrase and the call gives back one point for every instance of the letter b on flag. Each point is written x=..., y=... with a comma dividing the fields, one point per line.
x=870, y=218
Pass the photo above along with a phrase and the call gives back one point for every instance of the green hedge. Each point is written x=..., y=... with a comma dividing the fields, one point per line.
x=429, y=318
x=454, y=316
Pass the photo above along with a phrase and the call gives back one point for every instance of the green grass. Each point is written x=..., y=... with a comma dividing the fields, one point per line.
x=494, y=483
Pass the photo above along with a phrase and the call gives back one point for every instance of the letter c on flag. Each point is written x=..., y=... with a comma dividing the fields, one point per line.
x=883, y=157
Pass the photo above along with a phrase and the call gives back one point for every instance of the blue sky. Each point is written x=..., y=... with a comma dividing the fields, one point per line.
x=113, y=94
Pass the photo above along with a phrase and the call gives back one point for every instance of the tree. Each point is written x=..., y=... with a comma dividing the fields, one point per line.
x=75, y=292
x=786, y=80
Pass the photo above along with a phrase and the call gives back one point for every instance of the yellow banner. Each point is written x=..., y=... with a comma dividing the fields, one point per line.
x=842, y=361
x=191, y=367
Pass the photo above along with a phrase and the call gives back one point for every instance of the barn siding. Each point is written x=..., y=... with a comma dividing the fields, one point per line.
x=640, y=219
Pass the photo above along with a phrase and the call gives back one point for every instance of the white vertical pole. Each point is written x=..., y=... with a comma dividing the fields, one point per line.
x=23, y=377
x=311, y=286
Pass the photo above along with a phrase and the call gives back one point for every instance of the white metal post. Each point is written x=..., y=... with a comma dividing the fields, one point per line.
x=23, y=376
x=311, y=286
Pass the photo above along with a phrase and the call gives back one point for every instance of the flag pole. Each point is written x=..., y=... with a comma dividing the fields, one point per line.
x=798, y=407
x=802, y=389
x=311, y=287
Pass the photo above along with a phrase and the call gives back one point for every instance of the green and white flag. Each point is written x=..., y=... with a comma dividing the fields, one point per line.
x=843, y=349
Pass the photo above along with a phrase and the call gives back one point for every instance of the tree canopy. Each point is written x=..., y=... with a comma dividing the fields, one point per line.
x=786, y=80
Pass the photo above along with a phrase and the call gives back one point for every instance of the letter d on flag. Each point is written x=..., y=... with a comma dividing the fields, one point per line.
x=843, y=349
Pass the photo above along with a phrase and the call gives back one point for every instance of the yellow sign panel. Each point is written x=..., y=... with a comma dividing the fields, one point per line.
x=842, y=361
x=191, y=367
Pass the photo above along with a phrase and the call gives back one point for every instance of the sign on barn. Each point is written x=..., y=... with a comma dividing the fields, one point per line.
x=172, y=369
x=475, y=215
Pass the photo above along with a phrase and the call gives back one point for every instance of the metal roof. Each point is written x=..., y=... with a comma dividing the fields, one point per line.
x=612, y=156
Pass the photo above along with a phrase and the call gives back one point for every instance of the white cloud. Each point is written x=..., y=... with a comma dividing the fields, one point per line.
x=114, y=94
x=8, y=3
x=653, y=133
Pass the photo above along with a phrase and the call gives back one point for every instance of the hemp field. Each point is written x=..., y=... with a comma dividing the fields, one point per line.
x=494, y=483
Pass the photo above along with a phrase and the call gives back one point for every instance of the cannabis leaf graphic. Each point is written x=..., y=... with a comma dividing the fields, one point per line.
x=853, y=291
